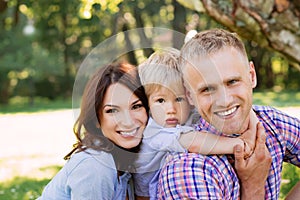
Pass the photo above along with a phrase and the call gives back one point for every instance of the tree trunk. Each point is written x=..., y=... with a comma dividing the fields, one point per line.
x=274, y=24
x=178, y=23
x=144, y=40
x=129, y=46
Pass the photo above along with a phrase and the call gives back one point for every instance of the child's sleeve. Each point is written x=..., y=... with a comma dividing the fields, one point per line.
x=168, y=139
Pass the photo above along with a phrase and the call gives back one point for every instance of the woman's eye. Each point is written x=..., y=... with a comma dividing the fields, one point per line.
x=160, y=100
x=137, y=106
x=112, y=110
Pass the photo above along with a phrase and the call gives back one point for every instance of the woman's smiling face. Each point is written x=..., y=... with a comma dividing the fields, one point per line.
x=123, y=116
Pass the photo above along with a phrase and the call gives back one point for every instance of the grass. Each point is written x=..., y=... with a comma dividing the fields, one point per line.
x=26, y=187
x=22, y=188
x=277, y=99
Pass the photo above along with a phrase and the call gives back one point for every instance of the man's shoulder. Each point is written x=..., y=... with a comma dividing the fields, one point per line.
x=262, y=108
x=271, y=113
x=194, y=160
x=214, y=170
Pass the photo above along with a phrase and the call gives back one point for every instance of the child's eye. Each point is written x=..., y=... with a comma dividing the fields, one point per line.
x=180, y=99
x=137, y=106
x=111, y=110
x=160, y=100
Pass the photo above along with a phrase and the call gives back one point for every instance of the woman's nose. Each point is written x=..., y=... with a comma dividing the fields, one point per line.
x=126, y=119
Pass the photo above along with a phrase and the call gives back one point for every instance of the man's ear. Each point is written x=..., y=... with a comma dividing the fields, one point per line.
x=252, y=74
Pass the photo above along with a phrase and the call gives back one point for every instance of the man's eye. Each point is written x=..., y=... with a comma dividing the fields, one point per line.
x=112, y=110
x=137, y=106
x=208, y=89
x=160, y=100
x=231, y=82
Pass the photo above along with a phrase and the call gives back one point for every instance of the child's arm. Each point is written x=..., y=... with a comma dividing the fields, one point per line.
x=208, y=143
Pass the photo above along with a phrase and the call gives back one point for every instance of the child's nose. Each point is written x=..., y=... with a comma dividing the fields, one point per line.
x=171, y=108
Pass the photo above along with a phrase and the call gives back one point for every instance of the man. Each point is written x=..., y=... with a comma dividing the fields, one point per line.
x=220, y=80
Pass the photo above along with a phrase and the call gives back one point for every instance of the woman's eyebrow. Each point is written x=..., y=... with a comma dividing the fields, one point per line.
x=110, y=105
x=115, y=106
x=136, y=101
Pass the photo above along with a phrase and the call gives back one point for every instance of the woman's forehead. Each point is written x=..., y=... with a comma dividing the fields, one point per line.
x=119, y=94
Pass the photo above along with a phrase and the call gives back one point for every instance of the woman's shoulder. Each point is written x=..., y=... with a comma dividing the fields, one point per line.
x=91, y=159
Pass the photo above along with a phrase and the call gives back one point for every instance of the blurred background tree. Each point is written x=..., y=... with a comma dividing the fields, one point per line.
x=44, y=42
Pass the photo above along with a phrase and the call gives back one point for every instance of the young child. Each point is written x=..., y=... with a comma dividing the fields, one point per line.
x=170, y=128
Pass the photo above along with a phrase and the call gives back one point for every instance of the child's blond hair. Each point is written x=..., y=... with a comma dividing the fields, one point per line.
x=161, y=70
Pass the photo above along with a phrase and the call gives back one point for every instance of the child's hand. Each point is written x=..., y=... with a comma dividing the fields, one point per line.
x=249, y=136
x=248, y=150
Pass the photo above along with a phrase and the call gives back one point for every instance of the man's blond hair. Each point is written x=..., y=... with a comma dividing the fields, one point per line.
x=209, y=42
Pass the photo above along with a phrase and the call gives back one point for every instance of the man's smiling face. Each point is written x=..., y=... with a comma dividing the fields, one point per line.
x=220, y=86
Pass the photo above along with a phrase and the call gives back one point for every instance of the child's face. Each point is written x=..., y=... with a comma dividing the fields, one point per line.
x=169, y=108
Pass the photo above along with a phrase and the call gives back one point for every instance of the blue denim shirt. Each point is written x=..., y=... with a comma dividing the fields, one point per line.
x=89, y=175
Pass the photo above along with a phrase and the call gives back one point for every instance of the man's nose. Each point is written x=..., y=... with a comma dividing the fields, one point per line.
x=223, y=98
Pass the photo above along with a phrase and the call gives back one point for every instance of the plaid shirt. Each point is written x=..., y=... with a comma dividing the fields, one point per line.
x=194, y=176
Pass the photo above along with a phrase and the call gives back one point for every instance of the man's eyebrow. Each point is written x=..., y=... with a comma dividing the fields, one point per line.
x=237, y=77
x=203, y=86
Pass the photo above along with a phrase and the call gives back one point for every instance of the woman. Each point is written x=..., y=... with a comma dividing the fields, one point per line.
x=114, y=113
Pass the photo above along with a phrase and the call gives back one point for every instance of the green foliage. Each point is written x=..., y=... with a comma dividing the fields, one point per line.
x=23, y=62
x=66, y=31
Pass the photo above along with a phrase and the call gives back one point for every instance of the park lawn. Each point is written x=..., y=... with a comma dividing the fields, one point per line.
x=277, y=99
x=25, y=187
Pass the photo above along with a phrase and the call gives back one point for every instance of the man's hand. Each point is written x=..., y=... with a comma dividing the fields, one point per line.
x=253, y=172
